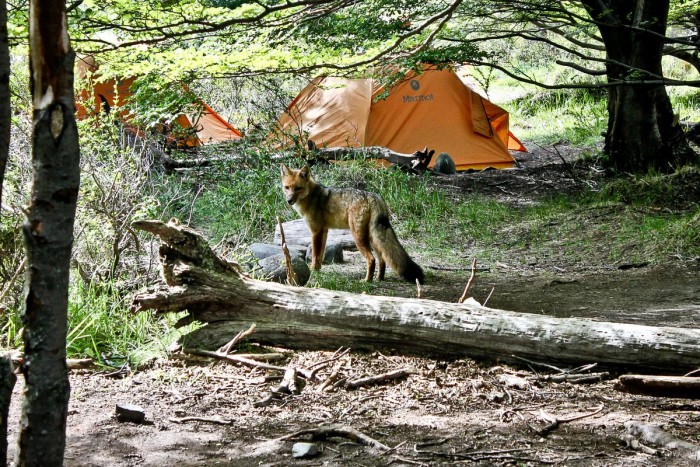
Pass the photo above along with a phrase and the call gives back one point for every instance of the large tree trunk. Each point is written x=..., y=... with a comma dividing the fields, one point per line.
x=48, y=235
x=5, y=108
x=643, y=132
x=217, y=293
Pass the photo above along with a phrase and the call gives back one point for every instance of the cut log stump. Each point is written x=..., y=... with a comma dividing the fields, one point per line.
x=218, y=293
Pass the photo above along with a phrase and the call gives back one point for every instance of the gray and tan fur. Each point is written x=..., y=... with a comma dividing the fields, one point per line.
x=366, y=214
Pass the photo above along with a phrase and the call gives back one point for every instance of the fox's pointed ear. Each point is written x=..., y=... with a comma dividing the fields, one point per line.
x=305, y=172
x=284, y=170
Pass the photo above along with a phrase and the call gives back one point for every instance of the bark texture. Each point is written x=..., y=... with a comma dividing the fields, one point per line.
x=643, y=132
x=7, y=383
x=5, y=108
x=217, y=293
x=48, y=235
x=686, y=387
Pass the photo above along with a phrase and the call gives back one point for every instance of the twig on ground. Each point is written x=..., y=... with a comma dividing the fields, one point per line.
x=469, y=283
x=378, y=379
x=239, y=337
x=215, y=420
x=572, y=375
x=419, y=292
x=331, y=379
x=288, y=384
x=342, y=431
x=554, y=422
x=340, y=353
x=263, y=357
x=569, y=378
x=243, y=361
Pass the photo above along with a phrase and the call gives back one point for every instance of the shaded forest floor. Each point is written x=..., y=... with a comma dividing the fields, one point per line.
x=445, y=413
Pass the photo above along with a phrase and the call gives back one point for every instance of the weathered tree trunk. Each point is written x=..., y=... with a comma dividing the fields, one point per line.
x=643, y=132
x=5, y=108
x=217, y=293
x=48, y=236
x=7, y=383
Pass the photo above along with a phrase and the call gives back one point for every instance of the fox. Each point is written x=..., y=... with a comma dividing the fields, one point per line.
x=366, y=214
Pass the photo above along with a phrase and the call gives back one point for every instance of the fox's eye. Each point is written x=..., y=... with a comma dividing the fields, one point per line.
x=286, y=187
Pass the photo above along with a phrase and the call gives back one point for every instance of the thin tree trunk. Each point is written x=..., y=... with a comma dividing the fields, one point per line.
x=643, y=132
x=5, y=108
x=48, y=236
x=7, y=383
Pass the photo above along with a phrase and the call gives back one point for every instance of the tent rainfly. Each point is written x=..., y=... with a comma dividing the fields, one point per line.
x=204, y=127
x=435, y=108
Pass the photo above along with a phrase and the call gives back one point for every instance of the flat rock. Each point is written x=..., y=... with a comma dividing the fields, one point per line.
x=297, y=233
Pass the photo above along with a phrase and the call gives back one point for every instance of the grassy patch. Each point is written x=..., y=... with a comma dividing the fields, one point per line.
x=546, y=117
x=102, y=327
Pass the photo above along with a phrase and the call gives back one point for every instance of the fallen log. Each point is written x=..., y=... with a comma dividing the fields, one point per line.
x=218, y=293
x=686, y=387
x=416, y=162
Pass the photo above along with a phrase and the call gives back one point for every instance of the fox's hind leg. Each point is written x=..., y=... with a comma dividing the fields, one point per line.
x=360, y=233
x=382, y=268
x=381, y=261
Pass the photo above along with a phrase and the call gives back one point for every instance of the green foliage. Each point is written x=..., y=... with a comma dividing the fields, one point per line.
x=576, y=116
x=239, y=205
x=679, y=189
x=102, y=327
x=116, y=189
x=156, y=104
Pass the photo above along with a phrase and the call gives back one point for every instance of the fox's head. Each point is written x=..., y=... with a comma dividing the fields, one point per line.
x=296, y=184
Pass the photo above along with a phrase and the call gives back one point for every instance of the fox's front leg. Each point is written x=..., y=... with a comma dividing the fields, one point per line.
x=318, y=248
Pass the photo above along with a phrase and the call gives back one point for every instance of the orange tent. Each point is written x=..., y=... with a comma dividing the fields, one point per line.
x=435, y=109
x=205, y=127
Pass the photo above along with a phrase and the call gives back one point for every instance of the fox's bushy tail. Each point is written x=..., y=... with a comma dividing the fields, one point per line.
x=386, y=244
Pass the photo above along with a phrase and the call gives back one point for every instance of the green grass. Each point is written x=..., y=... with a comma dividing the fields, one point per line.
x=626, y=215
x=102, y=327
x=546, y=117
x=240, y=205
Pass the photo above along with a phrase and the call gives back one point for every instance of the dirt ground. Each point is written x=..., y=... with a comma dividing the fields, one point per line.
x=443, y=413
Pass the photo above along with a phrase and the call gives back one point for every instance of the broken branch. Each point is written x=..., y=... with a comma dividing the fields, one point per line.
x=687, y=387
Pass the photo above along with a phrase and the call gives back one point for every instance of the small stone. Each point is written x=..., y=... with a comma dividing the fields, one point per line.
x=130, y=413
x=304, y=450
